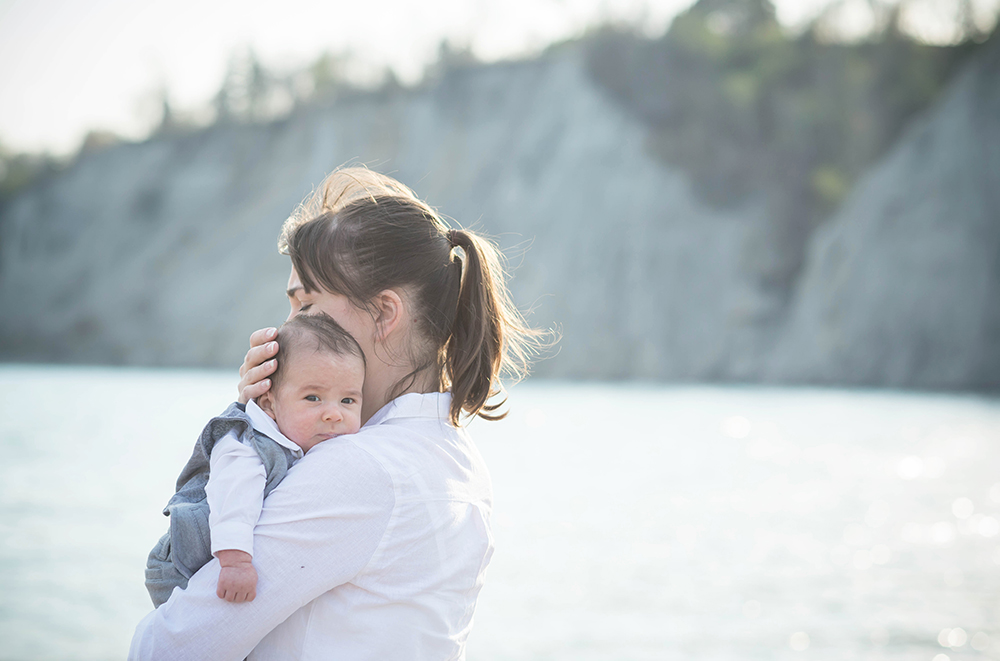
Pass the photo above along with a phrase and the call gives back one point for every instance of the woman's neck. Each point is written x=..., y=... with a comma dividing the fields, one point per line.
x=384, y=385
x=390, y=358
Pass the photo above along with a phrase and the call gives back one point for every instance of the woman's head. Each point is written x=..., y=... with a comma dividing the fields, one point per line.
x=364, y=237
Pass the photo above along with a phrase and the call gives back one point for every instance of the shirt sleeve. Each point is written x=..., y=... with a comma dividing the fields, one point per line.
x=235, y=494
x=318, y=529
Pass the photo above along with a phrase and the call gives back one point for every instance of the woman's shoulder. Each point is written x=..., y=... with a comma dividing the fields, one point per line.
x=412, y=439
x=406, y=455
x=413, y=409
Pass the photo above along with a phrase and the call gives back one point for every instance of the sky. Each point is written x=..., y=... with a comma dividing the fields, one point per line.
x=68, y=66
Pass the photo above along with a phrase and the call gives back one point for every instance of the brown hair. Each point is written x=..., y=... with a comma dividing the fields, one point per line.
x=316, y=331
x=363, y=232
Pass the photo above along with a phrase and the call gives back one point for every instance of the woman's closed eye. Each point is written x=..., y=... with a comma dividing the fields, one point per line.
x=304, y=307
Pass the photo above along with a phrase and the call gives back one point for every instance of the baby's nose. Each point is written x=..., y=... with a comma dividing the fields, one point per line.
x=333, y=414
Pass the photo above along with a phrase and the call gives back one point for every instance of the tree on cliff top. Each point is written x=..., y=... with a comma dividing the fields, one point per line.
x=757, y=116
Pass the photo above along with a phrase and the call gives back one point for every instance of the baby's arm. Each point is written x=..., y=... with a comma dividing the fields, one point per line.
x=235, y=493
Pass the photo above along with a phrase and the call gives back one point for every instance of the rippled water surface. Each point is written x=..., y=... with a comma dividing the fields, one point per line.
x=631, y=522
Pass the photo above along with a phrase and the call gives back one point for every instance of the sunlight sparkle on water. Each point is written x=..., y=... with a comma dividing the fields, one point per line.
x=535, y=418
x=799, y=641
x=962, y=508
x=953, y=638
x=752, y=609
x=692, y=528
x=854, y=535
x=934, y=467
x=736, y=426
x=910, y=468
x=877, y=514
x=881, y=554
x=988, y=526
x=954, y=578
x=942, y=533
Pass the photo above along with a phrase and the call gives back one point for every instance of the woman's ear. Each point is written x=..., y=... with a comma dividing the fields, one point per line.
x=389, y=313
x=266, y=403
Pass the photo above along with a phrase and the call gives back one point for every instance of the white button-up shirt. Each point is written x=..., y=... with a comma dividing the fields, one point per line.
x=374, y=546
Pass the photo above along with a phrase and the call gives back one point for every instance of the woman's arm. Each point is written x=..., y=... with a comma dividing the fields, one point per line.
x=318, y=529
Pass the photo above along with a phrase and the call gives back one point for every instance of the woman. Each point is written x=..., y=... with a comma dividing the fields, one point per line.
x=375, y=545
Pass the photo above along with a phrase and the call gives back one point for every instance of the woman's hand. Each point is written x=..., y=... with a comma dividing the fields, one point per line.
x=258, y=364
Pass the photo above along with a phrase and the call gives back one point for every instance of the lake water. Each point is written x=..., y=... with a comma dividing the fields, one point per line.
x=631, y=521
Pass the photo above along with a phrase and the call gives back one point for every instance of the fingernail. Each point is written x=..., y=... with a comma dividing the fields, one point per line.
x=271, y=332
x=266, y=382
x=272, y=362
x=273, y=346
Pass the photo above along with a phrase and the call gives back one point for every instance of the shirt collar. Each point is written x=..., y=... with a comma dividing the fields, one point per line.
x=263, y=423
x=414, y=405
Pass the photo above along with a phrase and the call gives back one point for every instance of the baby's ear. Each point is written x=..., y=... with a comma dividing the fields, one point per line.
x=266, y=403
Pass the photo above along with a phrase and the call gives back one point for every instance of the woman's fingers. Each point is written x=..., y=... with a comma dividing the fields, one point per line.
x=255, y=382
x=254, y=390
x=263, y=335
x=261, y=348
x=257, y=356
x=257, y=365
x=259, y=373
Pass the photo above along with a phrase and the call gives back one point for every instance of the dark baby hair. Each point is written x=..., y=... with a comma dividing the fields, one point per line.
x=362, y=233
x=318, y=333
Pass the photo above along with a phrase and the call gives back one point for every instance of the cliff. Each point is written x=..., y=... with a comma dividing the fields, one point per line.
x=902, y=288
x=163, y=253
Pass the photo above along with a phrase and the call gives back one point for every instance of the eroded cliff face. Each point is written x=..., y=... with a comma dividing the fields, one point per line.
x=164, y=252
x=902, y=287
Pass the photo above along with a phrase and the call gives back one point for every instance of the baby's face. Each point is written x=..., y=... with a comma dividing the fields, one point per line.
x=319, y=397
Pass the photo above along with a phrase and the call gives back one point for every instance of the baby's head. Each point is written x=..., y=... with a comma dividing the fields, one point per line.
x=316, y=389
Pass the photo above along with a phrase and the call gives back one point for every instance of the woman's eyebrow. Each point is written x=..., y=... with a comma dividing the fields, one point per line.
x=291, y=292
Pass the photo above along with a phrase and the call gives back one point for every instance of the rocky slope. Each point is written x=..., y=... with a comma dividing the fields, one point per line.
x=902, y=288
x=163, y=252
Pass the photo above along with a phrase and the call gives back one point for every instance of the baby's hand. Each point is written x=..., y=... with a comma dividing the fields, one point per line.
x=238, y=578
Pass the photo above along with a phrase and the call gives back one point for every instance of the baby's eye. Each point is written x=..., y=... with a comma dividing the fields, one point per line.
x=312, y=398
x=347, y=400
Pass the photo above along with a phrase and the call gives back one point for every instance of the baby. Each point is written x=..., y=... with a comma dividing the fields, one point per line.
x=241, y=456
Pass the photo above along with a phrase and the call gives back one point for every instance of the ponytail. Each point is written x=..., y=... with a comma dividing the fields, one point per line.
x=474, y=354
x=365, y=238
